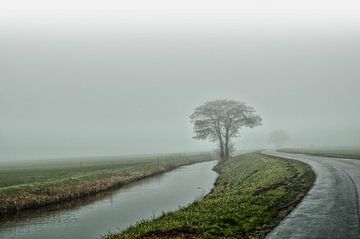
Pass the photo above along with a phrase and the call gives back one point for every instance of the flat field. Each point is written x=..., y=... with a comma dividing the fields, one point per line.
x=252, y=194
x=350, y=153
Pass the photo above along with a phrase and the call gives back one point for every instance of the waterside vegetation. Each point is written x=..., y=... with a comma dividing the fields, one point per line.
x=30, y=185
x=252, y=194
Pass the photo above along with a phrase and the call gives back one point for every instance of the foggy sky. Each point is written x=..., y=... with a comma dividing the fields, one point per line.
x=83, y=89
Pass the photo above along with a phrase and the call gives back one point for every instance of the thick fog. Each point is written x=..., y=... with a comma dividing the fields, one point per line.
x=70, y=90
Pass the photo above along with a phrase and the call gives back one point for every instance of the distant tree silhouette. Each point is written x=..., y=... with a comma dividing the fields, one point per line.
x=278, y=138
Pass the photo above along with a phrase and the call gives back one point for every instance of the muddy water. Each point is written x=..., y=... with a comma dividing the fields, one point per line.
x=114, y=211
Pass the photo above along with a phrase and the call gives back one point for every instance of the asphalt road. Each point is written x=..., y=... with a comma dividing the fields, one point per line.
x=331, y=208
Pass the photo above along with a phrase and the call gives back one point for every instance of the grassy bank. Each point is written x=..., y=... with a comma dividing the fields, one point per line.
x=350, y=153
x=252, y=194
x=27, y=185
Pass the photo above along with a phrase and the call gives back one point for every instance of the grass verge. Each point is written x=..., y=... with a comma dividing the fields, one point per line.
x=35, y=185
x=252, y=194
x=349, y=153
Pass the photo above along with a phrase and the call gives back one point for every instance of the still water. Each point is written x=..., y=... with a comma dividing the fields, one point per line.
x=114, y=211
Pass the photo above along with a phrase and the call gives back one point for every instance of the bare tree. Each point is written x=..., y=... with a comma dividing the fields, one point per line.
x=221, y=120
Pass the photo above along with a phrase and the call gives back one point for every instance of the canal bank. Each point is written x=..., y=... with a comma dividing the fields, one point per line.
x=36, y=184
x=144, y=199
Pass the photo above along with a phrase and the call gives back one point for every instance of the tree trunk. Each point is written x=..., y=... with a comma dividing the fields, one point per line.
x=222, y=153
x=227, y=141
x=221, y=141
x=226, y=154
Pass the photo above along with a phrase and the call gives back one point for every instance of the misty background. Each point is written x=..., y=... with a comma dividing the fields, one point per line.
x=114, y=82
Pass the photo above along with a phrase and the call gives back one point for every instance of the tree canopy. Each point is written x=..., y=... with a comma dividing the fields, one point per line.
x=221, y=120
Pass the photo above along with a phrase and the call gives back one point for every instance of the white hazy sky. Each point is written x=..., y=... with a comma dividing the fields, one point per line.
x=85, y=13
x=184, y=4
x=84, y=78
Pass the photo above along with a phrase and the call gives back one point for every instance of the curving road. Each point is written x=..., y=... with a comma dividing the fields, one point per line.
x=331, y=208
